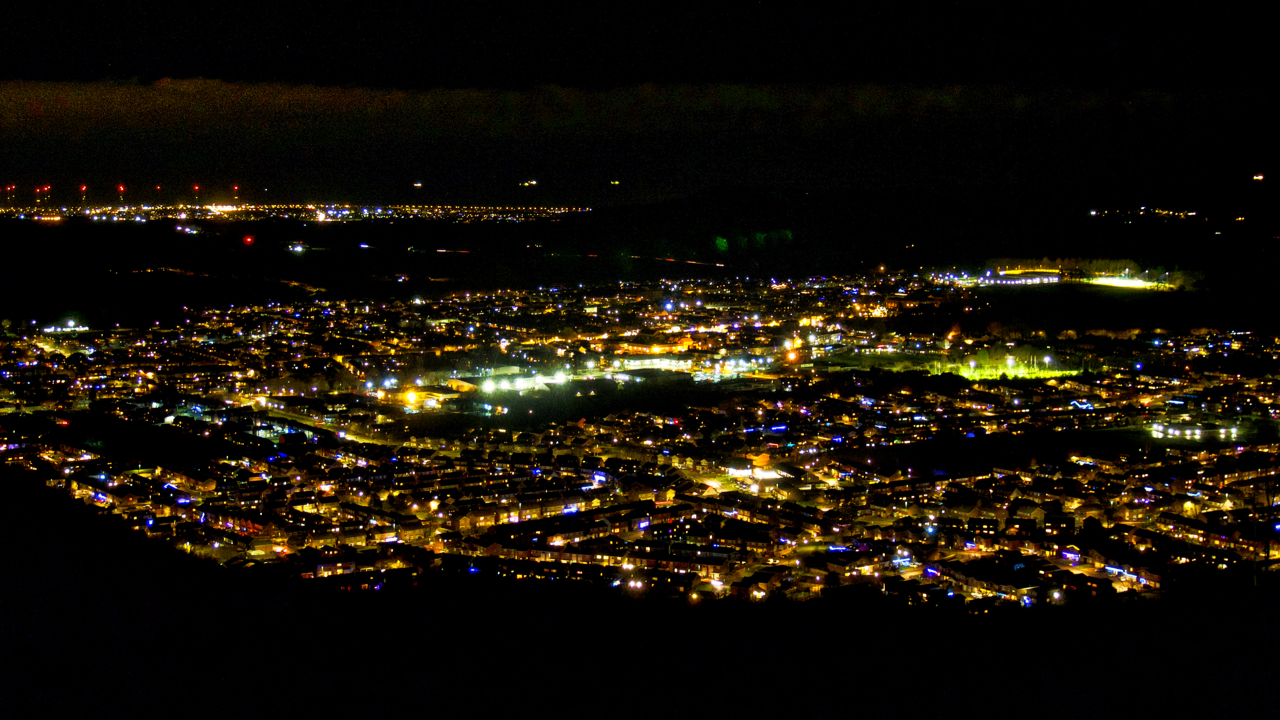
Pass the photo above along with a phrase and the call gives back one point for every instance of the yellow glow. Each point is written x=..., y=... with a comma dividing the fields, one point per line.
x=1122, y=282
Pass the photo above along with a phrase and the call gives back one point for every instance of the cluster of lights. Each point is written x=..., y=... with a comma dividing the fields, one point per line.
x=521, y=384
x=71, y=326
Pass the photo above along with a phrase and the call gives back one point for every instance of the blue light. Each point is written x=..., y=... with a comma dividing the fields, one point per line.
x=473, y=570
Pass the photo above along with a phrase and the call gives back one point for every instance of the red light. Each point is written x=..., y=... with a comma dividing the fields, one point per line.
x=120, y=188
x=83, y=188
x=197, y=187
x=248, y=239
x=235, y=187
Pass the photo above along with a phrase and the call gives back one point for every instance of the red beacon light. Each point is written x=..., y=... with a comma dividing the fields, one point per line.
x=248, y=240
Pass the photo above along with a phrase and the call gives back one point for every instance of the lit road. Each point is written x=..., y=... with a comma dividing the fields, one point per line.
x=311, y=422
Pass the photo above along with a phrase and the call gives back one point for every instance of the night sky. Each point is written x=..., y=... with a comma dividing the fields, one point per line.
x=359, y=102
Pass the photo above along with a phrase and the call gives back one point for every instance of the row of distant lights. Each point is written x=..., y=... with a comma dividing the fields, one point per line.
x=117, y=218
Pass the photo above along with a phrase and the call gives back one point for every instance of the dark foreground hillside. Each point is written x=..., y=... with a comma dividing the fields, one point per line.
x=96, y=618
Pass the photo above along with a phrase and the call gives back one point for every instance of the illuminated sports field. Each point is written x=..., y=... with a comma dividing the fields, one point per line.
x=1127, y=282
x=933, y=364
x=993, y=372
